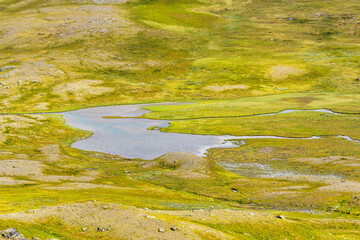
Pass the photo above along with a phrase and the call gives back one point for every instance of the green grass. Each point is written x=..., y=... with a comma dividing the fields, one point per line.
x=295, y=124
x=234, y=59
x=256, y=105
x=177, y=50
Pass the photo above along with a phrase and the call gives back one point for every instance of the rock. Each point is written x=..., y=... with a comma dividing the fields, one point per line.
x=35, y=238
x=174, y=228
x=281, y=217
x=161, y=230
x=6, y=68
x=126, y=171
x=12, y=234
x=321, y=14
x=102, y=229
x=149, y=216
x=83, y=229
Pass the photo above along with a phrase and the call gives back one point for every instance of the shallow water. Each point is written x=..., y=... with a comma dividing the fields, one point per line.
x=130, y=137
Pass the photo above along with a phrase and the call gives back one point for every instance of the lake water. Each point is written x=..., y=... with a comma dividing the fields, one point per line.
x=130, y=137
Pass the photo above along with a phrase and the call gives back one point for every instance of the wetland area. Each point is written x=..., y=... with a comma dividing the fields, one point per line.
x=118, y=130
x=181, y=119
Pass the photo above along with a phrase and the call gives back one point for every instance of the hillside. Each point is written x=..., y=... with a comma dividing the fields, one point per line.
x=58, y=55
x=290, y=174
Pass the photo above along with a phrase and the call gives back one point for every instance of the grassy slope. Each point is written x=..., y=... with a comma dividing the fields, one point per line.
x=301, y=54
x=154, y=188
x=173, y=50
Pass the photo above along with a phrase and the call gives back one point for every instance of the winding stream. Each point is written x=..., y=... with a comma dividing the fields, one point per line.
x=130, y=137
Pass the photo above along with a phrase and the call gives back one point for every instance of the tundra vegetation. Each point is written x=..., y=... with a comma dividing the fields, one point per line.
x=234, y=60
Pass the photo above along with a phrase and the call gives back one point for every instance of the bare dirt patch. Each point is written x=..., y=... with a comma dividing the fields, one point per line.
x=60, y=178
x=20, y=168
x=33, y=170
x=185, y=165
x=284, y=72
x=221, y=216
x=123, y=222
x=8, y=181
x=42, y=106
x=81, y=89
x=312, y=178
x=333, y=183
x=77, y=186
x=325, y=160
x=226, y=87
x=52, y=152
x=343, y=186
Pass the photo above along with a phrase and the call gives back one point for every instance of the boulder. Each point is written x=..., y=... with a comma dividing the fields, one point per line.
x=12, y=234
x=281, y=217
x=6, y=68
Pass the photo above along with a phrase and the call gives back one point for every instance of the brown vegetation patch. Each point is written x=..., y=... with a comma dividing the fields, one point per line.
x=185, y=165
x=283, y=72
x=81, y=89
x=301, y=100
x=8, y=181
x=33, y=170
x=266, y=150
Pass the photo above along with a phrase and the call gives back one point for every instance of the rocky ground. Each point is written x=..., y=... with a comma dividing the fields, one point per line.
x=118, y=221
